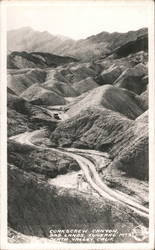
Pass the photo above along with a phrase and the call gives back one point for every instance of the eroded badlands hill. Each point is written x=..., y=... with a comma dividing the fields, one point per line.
x=109, y=97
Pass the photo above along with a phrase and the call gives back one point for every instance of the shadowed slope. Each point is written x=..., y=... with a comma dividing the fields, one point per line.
x=132, y=152
x=35, y=207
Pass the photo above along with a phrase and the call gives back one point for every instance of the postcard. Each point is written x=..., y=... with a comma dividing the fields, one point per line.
x=77, y=124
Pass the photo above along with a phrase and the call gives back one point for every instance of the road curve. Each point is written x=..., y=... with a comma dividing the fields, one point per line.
x=89, y=170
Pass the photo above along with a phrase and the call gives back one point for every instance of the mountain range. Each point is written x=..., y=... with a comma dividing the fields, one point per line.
x=29, y=40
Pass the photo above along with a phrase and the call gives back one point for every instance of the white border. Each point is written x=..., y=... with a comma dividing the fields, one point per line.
x=3, y=135
x=3, y=129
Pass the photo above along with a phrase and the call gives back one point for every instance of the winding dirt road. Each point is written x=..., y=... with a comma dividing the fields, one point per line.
x=89, y=169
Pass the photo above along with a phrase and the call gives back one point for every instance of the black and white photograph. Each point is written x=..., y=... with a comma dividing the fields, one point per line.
x=79, y=157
